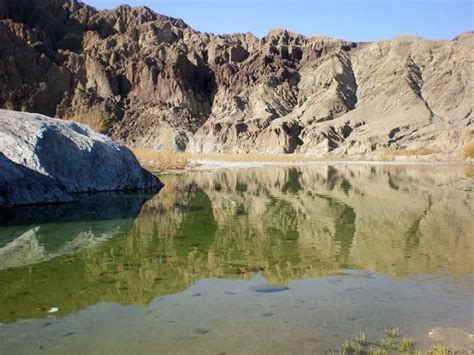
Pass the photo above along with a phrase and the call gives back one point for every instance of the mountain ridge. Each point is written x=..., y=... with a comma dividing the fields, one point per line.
x=152, y=82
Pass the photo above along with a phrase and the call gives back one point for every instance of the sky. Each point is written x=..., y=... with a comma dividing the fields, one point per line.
x=356, y=20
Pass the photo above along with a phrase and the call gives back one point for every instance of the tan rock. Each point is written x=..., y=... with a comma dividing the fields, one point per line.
x=153, y=82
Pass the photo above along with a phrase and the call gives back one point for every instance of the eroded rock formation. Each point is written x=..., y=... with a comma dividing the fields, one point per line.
x=153, y=82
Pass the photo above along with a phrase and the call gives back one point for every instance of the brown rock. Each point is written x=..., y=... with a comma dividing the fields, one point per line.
x=152, y=82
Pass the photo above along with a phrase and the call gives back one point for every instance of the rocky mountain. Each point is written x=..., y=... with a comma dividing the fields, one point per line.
x=153, y=82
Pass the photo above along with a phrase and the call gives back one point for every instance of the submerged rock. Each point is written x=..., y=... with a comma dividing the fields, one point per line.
x=269, y=288
x=61, y=157
x=201, y=331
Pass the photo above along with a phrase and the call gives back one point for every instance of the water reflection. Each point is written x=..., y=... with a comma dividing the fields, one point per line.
x=284, y=223
x=37, y=233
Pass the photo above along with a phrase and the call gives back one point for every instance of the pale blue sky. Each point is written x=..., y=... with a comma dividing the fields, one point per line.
x=357, y=20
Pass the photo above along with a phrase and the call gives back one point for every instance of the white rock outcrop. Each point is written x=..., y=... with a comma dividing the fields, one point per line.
x=63, y=155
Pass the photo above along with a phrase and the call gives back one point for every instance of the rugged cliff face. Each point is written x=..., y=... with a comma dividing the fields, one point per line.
x=153, y=82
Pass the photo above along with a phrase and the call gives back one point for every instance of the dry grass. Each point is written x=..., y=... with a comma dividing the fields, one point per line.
x=9, y=106
x=251, y=157
x=162, y=160
x=391, y=153
x=468, y=151
x=157, y=160
x=94, y=118
x=469, y=170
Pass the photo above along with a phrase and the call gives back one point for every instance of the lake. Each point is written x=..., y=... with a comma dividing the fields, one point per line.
x=262, y=260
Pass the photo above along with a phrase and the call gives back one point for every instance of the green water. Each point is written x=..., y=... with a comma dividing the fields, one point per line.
x=352, y=248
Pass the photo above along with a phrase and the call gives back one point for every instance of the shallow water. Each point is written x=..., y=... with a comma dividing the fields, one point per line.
x=271, y=260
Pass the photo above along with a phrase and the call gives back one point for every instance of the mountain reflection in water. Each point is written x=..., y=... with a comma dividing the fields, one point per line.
x=283, y=223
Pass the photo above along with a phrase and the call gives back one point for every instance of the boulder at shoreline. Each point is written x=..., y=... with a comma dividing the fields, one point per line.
x=64, y=157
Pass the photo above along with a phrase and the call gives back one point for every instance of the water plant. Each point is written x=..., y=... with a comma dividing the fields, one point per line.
x=361, y=339
x=362, y=345
x=351, y=347
x=377, y=351
x=347, y=347
x=405, y=345
x=392, y=332
x=440, y=350
x=387, y=344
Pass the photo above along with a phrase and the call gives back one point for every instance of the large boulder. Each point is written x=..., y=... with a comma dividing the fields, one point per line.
x=22, y=186
x=71, y=155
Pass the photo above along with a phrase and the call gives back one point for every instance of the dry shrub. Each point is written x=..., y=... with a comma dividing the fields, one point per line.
x=162, y=160
x=260, y=157
x=469, y=170
x=392, y=152
x=93, y=118
x=9, y=105
x=468, y=151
